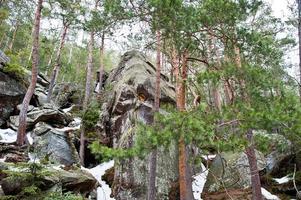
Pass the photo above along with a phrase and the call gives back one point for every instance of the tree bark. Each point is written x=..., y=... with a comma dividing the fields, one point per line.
x=151, y=195
x=11, y=44
x=101, y=58
x=57, y=63
x=298, y=156
x=34, y=75
x=250, y=151
x=299, y=36
x=255, y=179
x=184, y=175
x=87, y=95
x=215, y=86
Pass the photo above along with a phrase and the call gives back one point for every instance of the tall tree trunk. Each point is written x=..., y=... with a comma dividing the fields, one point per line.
x=255, y=178
x=250, y=151
x=215, y=86
x=184, y=175
x=34, y=75
x=298, y=156
x=87, y=95
x=57, y=63
x=11, y=44
x=101, y=58
x=299, y=36
x=151, y=195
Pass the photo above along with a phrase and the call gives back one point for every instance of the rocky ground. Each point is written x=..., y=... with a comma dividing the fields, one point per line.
x=50, y=159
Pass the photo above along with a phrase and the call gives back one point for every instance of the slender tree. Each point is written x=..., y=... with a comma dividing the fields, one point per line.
x=57, y=63
x=34, y=75
x=151, y=192
x=299, y=36
x=87, y=94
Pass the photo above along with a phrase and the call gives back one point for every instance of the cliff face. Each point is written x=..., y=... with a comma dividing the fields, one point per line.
x=132, y=86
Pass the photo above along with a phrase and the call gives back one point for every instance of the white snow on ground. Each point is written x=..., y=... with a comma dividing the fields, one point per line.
x=3, y=159
x=67, y=129
x=8, y=135
x=268, y=195
x=33, y=158
x=77, y=120
x=104, y=191
x=208, y=157
x=283, y=179
x=68, y=109
x=199, y=182
x=29, y=138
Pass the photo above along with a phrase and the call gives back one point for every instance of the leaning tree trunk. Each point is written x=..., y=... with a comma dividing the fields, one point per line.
x=57, y=63
x=151, y=195
x=87, y=95
x=34, y=75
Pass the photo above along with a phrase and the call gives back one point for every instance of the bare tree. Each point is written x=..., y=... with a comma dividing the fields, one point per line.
x=34, y=76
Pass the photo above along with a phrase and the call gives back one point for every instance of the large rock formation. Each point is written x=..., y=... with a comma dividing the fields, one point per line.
x=47, y=113
x=47, y=179
x=11, y=94
x=132, y=86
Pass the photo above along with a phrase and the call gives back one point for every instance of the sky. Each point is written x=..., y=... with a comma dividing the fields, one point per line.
x=279, y=7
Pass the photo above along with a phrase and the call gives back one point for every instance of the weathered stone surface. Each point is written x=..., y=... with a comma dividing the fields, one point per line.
x=74, y=180
x=130, y=95
x=231, y=171
x=11, y=94
x=47, y=113
x=3, y=58
x=66, y=94
x=279, y=155
x=54, y=143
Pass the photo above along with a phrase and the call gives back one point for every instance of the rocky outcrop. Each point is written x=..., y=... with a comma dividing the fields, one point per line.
x=47, y=113
x=48, y=179
x=132, y=88
x=230, y=171
x=3, y=58
x=13, y=87
x=55, y=144
x=11, y=94
x=279, y=153
x=67, y=94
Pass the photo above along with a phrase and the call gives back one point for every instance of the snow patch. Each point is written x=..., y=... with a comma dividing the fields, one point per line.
x=268, y=195
x=283, y=179
x=208, y=157
x=103, y=192
x=29, y=138
x=68, y=109
x=33, y=158
x=8, y=135
x=68, y=129
x=199, y=182
x=3, y=159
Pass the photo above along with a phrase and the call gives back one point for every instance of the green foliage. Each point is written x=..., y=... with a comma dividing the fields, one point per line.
x=14, y=67
x=65, y=196
x=91, y=115
x=15, y=70
x=31, y=190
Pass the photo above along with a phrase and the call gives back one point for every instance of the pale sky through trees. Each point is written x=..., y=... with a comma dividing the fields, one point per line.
x=279, y=7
